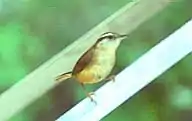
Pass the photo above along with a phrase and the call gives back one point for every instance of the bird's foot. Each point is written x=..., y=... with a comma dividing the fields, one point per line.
x=112, y=77
x=89, y=95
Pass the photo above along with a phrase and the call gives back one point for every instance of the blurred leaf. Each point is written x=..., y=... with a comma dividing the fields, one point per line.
x=16, y=47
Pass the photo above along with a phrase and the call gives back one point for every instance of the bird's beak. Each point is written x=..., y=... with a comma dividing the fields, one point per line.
x=123, y=36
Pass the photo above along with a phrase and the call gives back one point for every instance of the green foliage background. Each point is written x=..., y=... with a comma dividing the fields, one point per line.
x=32, y=31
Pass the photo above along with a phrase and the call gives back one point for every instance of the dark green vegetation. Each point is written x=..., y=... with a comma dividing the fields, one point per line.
x=32, y=31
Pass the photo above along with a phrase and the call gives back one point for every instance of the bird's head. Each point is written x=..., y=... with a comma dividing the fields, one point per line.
x=110, y=40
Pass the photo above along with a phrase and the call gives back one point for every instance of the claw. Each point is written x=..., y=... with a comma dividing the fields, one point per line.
x=112, y=77
x=90, y=97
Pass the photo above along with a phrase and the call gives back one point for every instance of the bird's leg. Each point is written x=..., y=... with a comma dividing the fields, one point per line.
x=88, y=94
x=111, y=77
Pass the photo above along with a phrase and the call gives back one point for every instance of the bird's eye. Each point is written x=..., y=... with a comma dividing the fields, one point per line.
x=110, y=37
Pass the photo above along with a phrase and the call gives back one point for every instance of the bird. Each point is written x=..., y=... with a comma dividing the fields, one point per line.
x=96, y=64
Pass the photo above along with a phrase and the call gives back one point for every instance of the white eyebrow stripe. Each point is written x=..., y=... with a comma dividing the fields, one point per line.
x=106, y=35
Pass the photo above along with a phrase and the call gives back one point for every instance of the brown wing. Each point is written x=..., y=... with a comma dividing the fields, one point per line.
x=84, y=60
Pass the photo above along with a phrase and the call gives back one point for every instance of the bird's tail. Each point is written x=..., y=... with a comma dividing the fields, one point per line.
x=63, y=77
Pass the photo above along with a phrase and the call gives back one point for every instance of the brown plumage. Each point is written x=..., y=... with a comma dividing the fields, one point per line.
x=83, y=61
x=97, y=62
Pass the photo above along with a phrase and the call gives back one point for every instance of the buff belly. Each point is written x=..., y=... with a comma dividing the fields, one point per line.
x=95, y=73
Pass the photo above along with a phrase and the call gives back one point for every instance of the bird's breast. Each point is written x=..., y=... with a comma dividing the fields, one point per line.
x=98, y=69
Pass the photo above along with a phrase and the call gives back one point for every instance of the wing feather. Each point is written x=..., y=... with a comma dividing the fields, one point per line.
x=83, y=61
